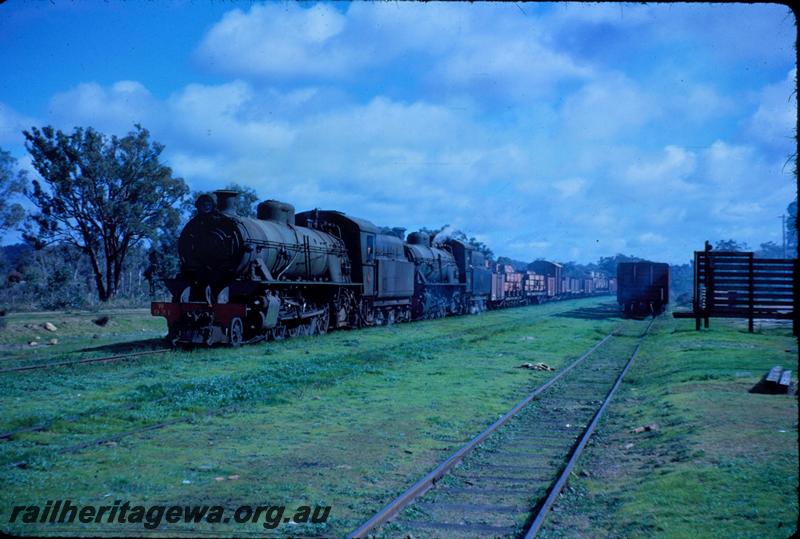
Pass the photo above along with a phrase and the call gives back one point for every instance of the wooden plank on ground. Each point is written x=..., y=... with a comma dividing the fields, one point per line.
x=774, y=374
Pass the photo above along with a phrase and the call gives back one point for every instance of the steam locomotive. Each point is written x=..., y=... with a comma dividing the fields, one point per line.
x=283, y=274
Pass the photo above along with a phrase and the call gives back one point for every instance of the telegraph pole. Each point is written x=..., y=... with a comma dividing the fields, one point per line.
x=783, y=233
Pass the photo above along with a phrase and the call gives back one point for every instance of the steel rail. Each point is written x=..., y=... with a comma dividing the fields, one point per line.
x=12, y=433
x=82, y=361
x=117, y=357
x=544, y=508
x=159, y=351
x=427, y=482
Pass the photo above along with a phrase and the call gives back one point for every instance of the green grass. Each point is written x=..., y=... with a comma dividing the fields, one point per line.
x=348, y=420
x=723, y=462
x=77, y=335
x=351, y=419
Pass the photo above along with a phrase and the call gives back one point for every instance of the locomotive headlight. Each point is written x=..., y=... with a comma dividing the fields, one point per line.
x=204, y=204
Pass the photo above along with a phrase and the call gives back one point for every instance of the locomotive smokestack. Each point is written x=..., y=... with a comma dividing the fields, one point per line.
x=226, y=201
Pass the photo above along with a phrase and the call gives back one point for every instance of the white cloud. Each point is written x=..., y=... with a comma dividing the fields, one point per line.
x=732, y=34
x=219, y=118
x=521, y=67
x=651, y=238
x=570, y=187
x=419, y=163
x=213, y=118
x=461, y=50
x=391, y=122
x=748, y=192
x=529, y=130
x=617, y=245
x=601, y=218
x=668, y=173
x=285, y=39
x=736, y=211
x=775, y=120
x=195, y=167
x=607, y=107
x=702, y=103
x=667, y=216
x=606, y=14
x=12, y=124
x=732, y=165
x=535, y=246
x=114, y=109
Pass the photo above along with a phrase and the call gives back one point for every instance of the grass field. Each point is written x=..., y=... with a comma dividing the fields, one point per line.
x=77, y=335
x=350, y=419
x=722, y=462
x=345, y=420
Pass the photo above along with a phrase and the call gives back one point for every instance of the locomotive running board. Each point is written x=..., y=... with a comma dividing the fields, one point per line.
x=314, y=283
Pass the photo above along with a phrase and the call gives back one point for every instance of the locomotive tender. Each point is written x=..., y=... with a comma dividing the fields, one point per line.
x=280, y=274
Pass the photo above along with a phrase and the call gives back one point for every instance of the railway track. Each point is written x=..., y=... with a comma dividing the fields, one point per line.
x=121, y=357
x=112, y=437
x=105, y=359
x=505, y=480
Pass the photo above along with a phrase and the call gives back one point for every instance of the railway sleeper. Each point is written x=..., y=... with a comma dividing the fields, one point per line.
x=473, y=507
x=461, y=529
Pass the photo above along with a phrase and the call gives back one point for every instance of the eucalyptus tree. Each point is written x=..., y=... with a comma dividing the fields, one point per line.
x=103, y=194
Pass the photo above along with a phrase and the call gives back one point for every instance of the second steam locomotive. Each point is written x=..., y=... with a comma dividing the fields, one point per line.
x=282, y=274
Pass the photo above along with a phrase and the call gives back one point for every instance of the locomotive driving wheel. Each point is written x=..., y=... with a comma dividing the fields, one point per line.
x=278, y=333
x=324, y=321
x=236, y=332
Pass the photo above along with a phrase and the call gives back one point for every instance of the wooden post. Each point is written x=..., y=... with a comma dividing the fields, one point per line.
x=696, y=291
x=709, y=306
x=750, y=291
x=796, y=299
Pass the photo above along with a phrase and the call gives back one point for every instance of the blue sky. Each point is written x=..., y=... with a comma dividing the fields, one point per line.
x=567, y=131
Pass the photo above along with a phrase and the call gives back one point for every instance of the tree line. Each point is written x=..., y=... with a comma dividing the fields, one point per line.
x=100, y=223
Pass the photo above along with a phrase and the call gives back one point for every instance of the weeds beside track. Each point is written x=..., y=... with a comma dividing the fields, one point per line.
x=443, y=503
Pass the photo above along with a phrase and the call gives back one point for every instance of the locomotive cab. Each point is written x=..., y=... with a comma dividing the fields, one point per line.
x=379, y=261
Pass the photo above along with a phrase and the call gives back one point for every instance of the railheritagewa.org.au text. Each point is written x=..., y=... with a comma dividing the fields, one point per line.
x=153, y=516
